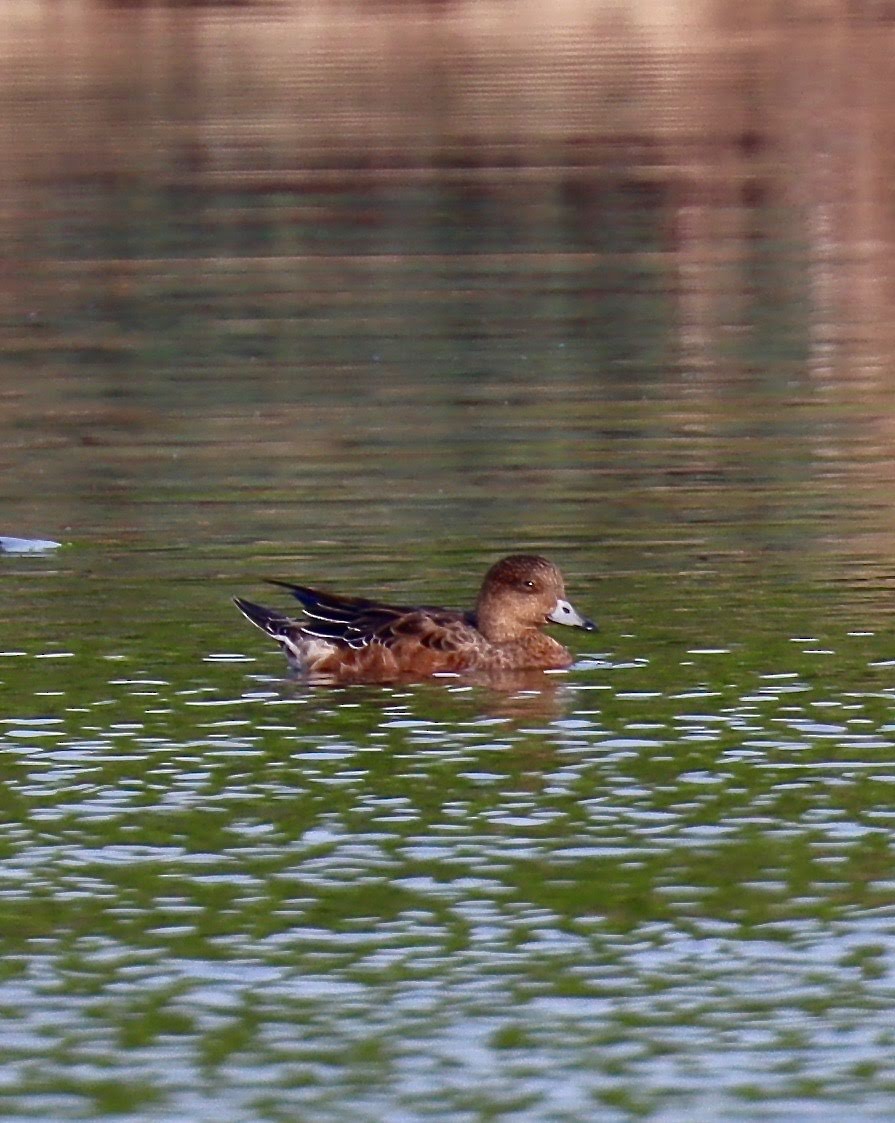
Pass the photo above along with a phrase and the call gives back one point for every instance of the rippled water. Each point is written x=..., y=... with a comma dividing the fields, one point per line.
x=368, y=300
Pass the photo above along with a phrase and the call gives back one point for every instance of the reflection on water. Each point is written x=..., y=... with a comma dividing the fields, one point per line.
x=368, y=297
x=480, y=271
x=302, y=896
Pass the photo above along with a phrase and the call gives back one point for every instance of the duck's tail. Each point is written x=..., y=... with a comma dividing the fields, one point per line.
x=304, y=650
x=276, y=624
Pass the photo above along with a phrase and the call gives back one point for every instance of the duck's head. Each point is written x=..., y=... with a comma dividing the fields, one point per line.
x=524, y=592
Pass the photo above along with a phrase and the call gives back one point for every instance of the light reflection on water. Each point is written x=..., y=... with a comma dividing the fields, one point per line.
x=368, y=299
x=304, y=895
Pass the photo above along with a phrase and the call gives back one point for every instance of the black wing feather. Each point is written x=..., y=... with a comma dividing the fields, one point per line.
x=353, y=621
x=356, y=622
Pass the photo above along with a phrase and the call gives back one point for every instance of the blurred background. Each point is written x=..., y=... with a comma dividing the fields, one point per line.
x=446, y=276
x=366, y=295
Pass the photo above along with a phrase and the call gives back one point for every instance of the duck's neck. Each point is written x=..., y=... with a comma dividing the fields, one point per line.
x=495, y=627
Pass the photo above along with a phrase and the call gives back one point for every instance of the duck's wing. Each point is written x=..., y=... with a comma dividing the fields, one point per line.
x=356, y=622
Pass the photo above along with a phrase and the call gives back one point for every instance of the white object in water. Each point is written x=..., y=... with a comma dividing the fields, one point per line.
x=27, y=545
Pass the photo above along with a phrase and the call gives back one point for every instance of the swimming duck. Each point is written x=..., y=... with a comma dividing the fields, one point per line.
x=354, y=639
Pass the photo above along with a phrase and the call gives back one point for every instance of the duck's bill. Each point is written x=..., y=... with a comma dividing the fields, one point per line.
x=564, y=613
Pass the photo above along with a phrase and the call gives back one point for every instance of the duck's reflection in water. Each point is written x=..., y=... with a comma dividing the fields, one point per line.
x=520, y=696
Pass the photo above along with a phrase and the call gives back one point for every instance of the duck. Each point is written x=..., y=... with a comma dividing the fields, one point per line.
x=353, y=639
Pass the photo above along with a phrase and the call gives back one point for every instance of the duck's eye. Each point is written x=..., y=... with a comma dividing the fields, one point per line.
x=528, y=585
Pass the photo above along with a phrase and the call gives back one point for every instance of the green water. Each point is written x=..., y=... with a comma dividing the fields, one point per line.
x=367, y=301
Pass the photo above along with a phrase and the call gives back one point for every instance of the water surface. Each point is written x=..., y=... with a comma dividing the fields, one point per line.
x=368, y=298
